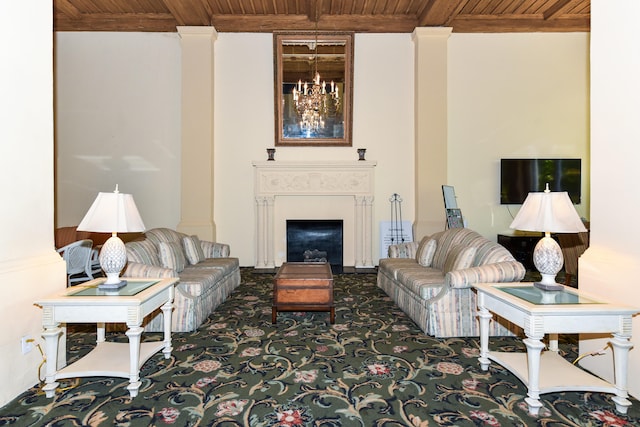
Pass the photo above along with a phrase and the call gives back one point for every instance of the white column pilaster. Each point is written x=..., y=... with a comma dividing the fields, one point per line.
x=264, y=230
x=431, y=48
x=197, y=189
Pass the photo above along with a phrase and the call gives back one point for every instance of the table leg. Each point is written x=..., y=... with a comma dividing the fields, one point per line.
x=332, y=315
x=534, y=349
x=553, y=342
x=167, y=308
x=621, y=347
x=51, y=335
x=134, y=333
x=485, y=318
x=100, y=332
x=274, y=315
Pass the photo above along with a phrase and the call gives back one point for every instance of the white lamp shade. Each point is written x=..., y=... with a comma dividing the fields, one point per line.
x=112, y=213
x=549, y=212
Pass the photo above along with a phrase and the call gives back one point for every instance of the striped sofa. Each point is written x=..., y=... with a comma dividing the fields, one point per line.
x=431, y=280
x=207, y=274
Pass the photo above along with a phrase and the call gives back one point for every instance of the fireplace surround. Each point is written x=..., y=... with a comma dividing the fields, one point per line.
x=314, y=190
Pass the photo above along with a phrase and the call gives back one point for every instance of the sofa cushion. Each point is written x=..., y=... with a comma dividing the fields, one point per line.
x=197, y=281
x=447, y=240
x=135, y=269
x=393, y=265
x=215, y=249
x=403, y=250
x=426, y=250
x=193, y=249
x=157, y=235
x=426, y=282
x=171, y=256
x=459, y=257
x=226, y=265
x=142, y=252
x=491, y=253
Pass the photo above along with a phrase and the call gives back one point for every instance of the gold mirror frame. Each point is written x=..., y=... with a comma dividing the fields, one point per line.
x=299, y=56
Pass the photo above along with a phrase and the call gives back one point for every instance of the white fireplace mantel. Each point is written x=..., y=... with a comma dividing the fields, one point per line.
x=339, y=179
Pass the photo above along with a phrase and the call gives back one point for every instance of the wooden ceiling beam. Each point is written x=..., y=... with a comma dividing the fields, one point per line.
x=190, y=12
x=520, y=25
x=315, y=10
x=143, y=22
x=440, y=13
x=69, y=10
x=350, y=23
x=555, y=10
x=380, y=16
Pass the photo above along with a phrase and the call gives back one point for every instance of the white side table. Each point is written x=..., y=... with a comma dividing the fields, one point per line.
x=87, y=304
x=540, y=313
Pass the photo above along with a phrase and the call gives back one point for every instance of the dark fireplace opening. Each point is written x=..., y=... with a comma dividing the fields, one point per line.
x=315, y=240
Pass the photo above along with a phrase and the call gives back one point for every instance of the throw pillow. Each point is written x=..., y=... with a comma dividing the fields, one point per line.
x=426, y=249
x=142, y=252
x=459, y=257
x=193, y=249
x=171, y=256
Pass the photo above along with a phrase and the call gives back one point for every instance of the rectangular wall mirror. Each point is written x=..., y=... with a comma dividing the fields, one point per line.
x=313, y=88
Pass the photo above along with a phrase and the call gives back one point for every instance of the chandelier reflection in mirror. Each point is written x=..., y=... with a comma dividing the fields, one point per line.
x=315, y=101
x=313, y=88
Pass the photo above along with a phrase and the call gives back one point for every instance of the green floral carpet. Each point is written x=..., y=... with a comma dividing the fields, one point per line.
x=373, y=367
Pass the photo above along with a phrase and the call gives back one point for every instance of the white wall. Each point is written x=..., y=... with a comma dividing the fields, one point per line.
x=514, y=95
x=610, y=267
x=382, y=123
x=539, y=81
x=118, y=122
x=29, y=266
x=244, y=125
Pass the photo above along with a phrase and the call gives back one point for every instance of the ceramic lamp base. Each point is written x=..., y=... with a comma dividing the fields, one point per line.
x=548, y=259
x=113, y=258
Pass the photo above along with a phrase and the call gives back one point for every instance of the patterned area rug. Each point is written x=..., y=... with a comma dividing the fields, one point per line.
x=373, y=367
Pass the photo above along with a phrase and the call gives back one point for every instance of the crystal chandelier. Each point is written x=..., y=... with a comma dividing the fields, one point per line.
x=315, y=101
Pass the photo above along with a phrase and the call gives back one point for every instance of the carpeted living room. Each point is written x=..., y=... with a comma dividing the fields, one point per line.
x=372, y=367
x=180, y=114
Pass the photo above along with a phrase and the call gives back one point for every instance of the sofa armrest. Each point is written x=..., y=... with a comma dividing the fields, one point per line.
x=403, y=250
x=215, y=250
x=505, y=271
x=135, y=269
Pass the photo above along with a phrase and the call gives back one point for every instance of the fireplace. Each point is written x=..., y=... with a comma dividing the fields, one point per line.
x=314, y=190
x=310, y=240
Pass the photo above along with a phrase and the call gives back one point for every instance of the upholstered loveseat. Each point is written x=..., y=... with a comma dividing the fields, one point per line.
x=207, y=274
x=431, y=281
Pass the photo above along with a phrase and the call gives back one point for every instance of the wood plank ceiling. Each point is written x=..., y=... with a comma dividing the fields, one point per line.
x=375, y=16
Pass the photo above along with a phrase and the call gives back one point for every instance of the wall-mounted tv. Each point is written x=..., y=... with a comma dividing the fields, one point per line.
x=519, y=177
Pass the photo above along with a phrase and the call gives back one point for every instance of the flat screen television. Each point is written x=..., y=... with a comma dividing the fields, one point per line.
x=519, y=177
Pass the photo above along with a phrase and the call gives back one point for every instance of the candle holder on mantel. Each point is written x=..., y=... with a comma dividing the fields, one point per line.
x=361, y=153
x=270, y=153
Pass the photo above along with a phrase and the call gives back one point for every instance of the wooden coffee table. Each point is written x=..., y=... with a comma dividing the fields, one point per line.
x=302, y=286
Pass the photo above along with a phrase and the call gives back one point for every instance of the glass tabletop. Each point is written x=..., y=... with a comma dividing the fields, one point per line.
x=538, y=296
x=132, y=288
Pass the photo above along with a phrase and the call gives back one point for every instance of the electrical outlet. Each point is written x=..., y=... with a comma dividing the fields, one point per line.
x=27, y=344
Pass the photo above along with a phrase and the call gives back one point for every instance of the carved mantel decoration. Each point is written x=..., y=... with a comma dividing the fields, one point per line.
x=332, y=179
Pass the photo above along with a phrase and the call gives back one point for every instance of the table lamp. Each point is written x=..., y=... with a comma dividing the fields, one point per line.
x=548, y=212
x=112, y=213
